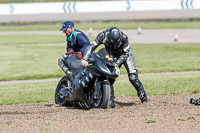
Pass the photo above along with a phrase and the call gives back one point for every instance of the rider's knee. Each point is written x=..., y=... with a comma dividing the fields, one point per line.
x=133, y=78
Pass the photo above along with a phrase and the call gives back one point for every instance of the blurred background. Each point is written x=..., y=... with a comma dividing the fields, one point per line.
x=163, y=35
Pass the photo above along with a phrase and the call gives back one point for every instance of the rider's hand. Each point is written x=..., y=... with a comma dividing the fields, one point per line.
x=70, y=52
x=79, y=55
x=84, y=63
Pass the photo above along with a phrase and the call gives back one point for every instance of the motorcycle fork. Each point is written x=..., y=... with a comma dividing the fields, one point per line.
x=97, y=89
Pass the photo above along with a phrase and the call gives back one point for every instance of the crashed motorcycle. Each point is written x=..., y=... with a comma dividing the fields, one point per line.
x=87, y=87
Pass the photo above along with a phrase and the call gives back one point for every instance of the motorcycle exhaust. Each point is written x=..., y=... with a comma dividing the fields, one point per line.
x=63, y=66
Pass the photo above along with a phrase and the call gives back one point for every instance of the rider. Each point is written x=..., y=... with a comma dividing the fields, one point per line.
x=77, y=41
x=116, y=43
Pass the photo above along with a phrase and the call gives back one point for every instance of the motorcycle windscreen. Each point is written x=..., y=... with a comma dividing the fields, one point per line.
x=103, y=53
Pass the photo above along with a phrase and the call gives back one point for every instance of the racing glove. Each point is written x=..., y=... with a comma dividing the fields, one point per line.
x=70, y=52
x=79, y=55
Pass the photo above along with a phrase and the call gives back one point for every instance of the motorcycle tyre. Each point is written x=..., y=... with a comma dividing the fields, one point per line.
x=105, y=96
x=64, y=102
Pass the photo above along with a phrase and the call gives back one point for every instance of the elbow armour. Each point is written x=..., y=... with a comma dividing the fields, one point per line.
x=88, y=52
x=121, y=59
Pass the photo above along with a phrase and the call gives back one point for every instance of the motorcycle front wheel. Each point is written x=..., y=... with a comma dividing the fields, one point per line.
x=104, y=97
x=59, y=98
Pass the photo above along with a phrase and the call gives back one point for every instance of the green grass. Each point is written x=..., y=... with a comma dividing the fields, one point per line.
x=29, y=62
x=160, y=84
x=37, y=62
x=105, y=25
x=154, y=85
x=31, y=39
x=166, y=58
x=34, y=39
x=30, y=27
x=27, y=93
x=150, y=121
x=144, y=25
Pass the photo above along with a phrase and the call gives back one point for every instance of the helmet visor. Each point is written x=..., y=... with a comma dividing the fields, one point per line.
x=117, y=44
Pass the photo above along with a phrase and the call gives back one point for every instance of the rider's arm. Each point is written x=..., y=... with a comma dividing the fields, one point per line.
x=126, y=49
x=69, y=47
x=99, y=40
x=83, y=41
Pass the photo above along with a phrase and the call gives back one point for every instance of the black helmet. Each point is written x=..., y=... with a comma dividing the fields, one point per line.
x=114, y=36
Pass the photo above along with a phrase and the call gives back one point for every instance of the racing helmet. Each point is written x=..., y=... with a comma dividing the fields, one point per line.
x=114, y=37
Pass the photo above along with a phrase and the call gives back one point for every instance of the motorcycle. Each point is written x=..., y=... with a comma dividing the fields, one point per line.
x=87, y=87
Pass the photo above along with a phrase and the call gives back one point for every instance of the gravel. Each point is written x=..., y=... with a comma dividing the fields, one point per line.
x=163, y=113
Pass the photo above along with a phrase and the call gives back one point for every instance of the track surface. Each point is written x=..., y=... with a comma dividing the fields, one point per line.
x=147, y=36
x=164, y=113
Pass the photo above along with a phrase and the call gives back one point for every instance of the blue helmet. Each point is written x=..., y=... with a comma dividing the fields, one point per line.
x=66, y=25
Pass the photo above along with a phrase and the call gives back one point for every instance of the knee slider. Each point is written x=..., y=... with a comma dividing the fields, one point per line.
x=133, y=76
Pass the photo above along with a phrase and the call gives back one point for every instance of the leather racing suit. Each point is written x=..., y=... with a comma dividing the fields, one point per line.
x=124, y=56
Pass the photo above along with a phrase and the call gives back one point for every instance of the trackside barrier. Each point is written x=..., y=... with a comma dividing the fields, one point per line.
x=97, y=6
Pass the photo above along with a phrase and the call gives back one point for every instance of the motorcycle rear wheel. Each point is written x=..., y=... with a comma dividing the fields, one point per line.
x=59, y=99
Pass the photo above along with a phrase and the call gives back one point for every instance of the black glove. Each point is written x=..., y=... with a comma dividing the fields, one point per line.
x=195, y=102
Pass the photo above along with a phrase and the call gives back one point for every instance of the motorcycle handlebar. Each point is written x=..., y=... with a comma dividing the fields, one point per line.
x=90, y=61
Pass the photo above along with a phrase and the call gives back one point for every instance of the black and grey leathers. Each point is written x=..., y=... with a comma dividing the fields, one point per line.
x=120, y=50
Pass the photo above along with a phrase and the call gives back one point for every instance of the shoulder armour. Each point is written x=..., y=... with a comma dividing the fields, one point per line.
x=100, y=37
x=124, y=38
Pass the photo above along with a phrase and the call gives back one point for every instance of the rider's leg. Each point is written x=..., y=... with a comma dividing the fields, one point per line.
x=133, y=77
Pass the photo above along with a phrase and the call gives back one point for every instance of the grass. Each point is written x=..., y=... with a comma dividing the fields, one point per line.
x=27, y=93
x=160, y=84
x=36, y=27
x=150, y=121
x=38, y=62
x=166, y=58
x=154, y=85
x=30, y=62
x=105, y=25
x=33, y=39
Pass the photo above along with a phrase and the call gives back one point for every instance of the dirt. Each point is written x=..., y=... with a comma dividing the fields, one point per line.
x=163, y=113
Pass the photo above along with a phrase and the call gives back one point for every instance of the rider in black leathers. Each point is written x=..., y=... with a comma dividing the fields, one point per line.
x=116, y=43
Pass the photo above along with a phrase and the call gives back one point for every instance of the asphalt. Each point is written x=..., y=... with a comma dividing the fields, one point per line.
x=159, y=15
x=146, y=37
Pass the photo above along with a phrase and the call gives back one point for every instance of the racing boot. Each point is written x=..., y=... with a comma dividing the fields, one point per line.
x=195, y=101
x=143, y=97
